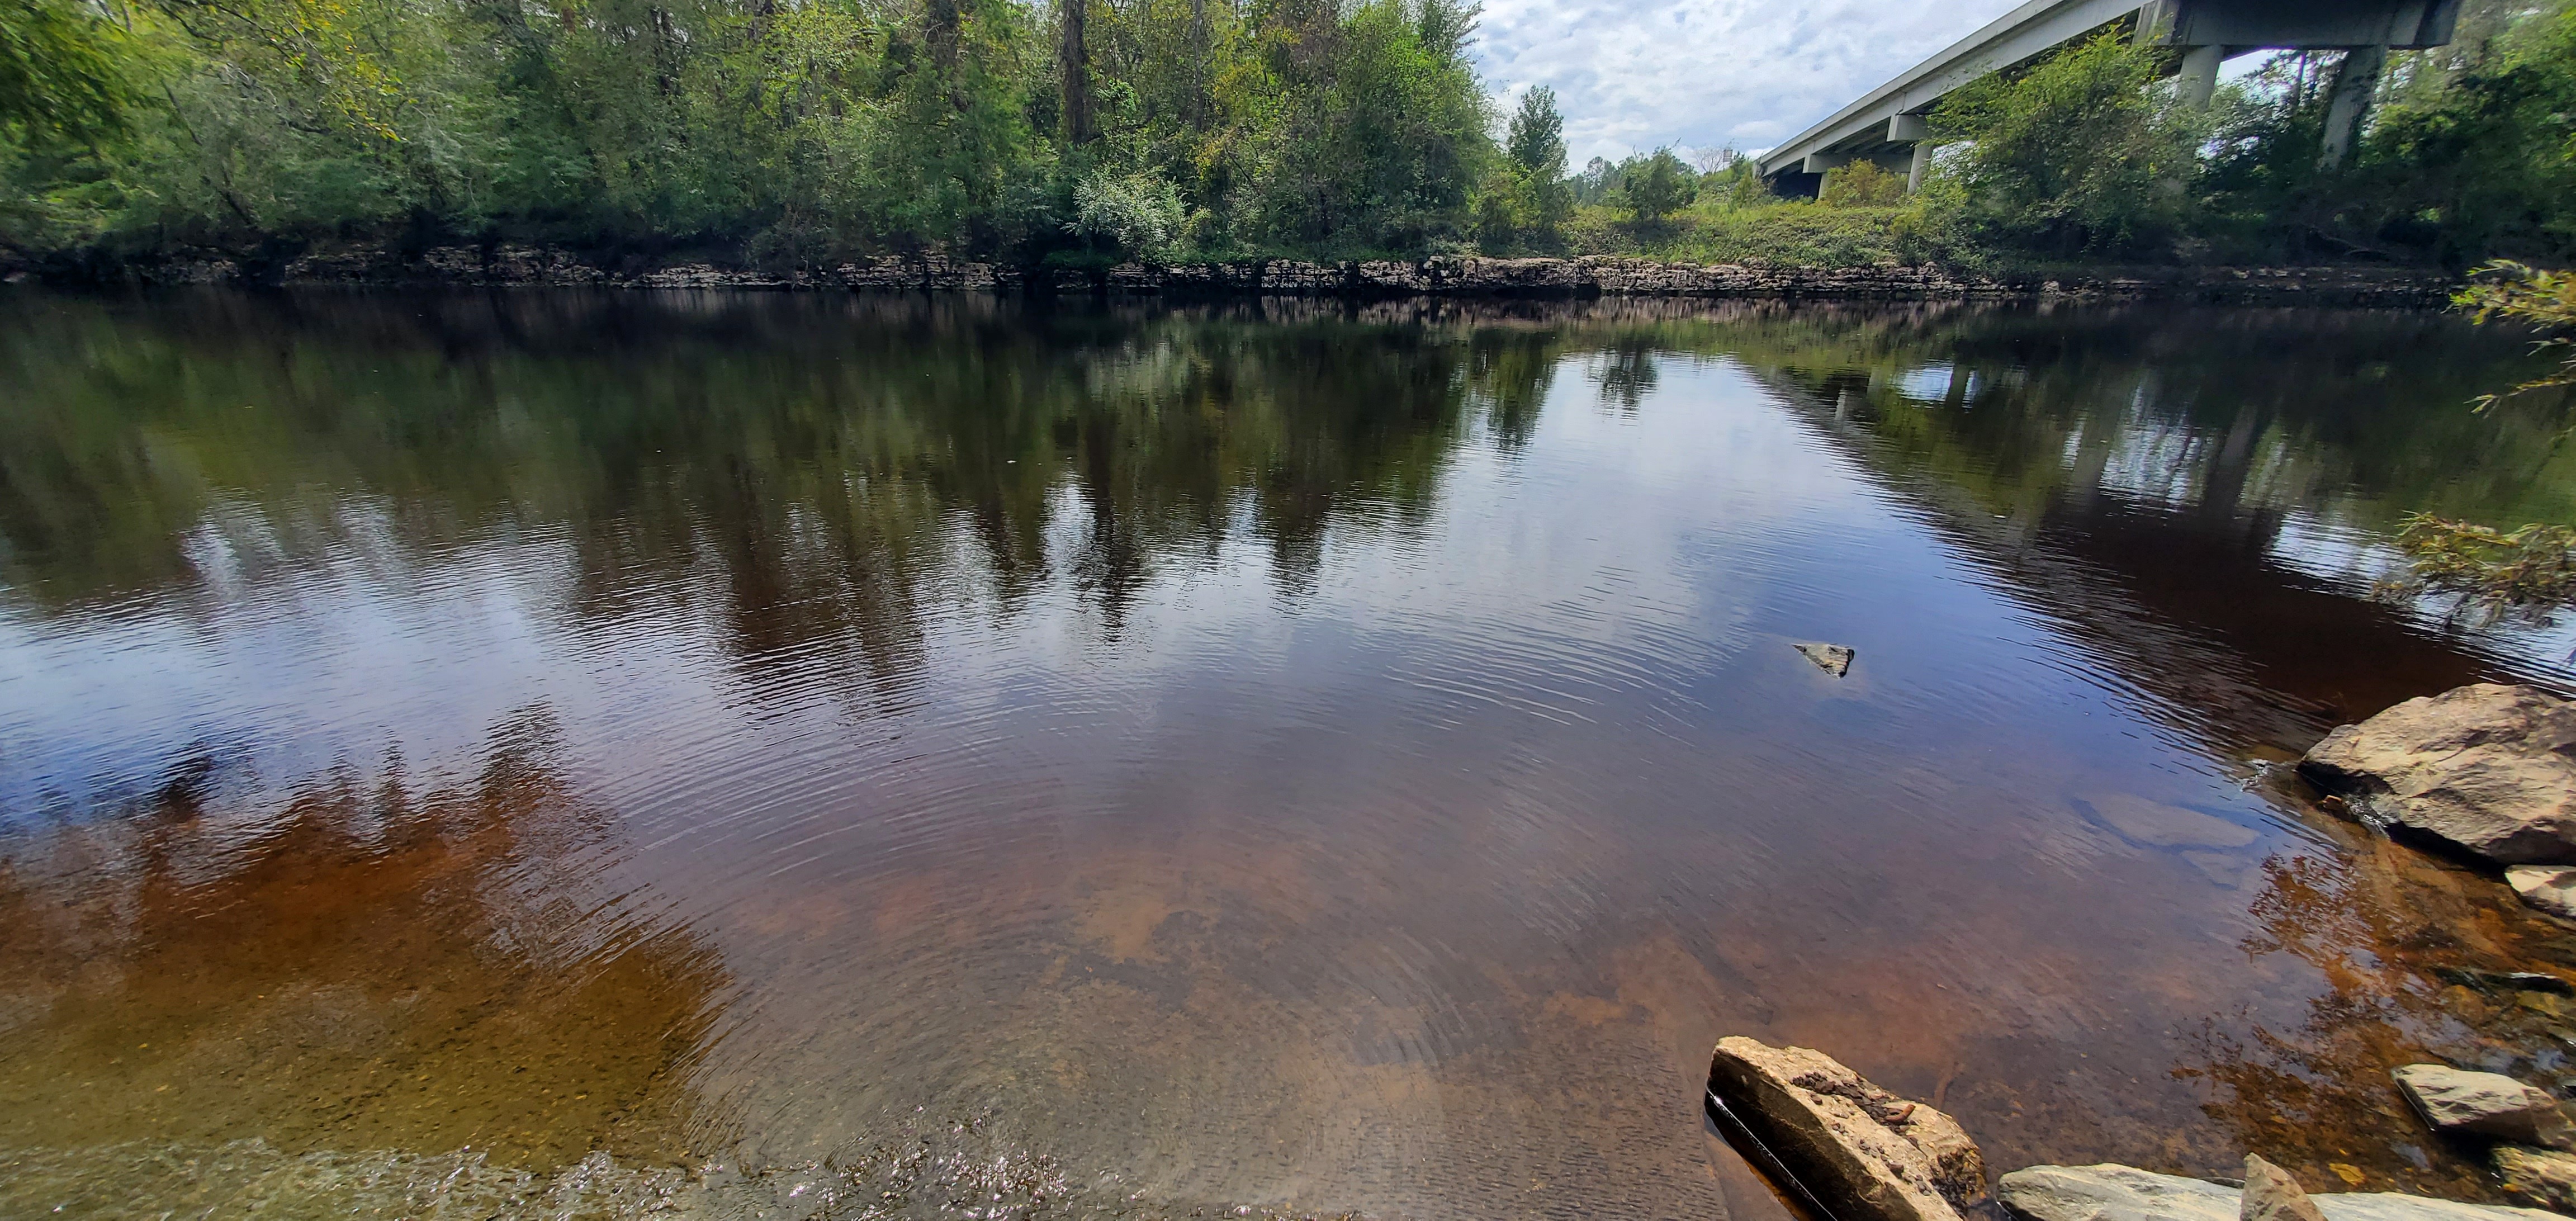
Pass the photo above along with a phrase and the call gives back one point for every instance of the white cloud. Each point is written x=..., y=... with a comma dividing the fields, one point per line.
x=1631, y=75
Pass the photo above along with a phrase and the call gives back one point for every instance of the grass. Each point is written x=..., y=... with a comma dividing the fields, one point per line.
x=1786, y=234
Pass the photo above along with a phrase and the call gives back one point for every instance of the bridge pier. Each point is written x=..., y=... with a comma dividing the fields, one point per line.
x=2354, y=84
x=2198, y=79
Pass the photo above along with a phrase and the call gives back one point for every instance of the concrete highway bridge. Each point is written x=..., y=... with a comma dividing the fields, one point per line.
x=1887, y=125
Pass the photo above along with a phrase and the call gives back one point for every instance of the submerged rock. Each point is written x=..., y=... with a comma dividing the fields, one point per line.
x=2157, y=825
x=1866, y=1153
x=2125, y=1193
x=2550, y=888
x=2460, y=1102
x=2489, y=768
x=1834, y=659
x=2270, y=1194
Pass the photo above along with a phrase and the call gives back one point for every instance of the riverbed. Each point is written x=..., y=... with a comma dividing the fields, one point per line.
x=847, y=755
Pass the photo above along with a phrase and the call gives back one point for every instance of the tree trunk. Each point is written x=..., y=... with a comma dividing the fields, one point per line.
x=1074, y=57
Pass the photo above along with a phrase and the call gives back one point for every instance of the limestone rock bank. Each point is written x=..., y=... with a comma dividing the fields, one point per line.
x=509, y=264
x=2123, y=1193
x=2489, y=769
x=1866, y=1153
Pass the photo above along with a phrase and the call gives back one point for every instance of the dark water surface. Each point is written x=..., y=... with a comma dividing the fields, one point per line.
x=841, y=756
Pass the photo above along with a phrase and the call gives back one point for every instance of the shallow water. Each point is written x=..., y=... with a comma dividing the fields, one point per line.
x=850, y=756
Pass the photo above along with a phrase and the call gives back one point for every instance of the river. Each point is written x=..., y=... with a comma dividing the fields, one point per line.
x=869, y=756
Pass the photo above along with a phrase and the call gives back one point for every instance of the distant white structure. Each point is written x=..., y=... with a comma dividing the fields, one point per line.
x=1887, y=126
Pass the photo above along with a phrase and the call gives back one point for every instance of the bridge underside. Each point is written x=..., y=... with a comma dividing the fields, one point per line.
x=1887, y=126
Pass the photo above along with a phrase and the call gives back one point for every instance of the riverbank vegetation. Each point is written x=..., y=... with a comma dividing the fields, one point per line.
x=1085, y=132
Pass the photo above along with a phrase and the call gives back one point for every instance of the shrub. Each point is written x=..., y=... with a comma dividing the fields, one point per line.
x=1138, y=213
x=1862, y=184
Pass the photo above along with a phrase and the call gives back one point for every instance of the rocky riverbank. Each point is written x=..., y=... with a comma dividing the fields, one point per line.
x=536, y=266
x=1851, y=1151
x=2485, y=772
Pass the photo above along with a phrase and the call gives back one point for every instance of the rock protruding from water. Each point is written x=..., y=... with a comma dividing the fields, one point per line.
x=1834, y=659
x=1867, y=1154
x=2543, y=1178
x=2463, y=1103
x=2125, y=1193
x=2272, y=1195
x=2551, y=888
x=2489, y=768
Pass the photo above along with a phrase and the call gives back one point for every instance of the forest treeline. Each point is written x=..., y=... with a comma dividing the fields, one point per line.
x=792, y=132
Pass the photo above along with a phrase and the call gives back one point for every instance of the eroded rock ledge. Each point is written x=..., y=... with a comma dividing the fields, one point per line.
x=514, y=265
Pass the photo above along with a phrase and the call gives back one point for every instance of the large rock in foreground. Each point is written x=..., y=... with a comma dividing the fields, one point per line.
x=1869, y=1155
x=2489, y=768
x=2124, y=1193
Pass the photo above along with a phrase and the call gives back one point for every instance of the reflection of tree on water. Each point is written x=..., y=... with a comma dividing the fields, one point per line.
x=380, y=966
x=838, y=461
x=2131, y=477
x=1626, y=372
x=2379, y=924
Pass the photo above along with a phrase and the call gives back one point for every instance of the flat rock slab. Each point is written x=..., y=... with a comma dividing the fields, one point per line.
x=2461, y=1102
x=2488, y=768
x=2125, y=1193
x=1867, y=1154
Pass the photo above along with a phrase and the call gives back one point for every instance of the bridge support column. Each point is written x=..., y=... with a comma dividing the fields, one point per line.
x=2199, y=79
x=2354, y=83
x=1922, y=166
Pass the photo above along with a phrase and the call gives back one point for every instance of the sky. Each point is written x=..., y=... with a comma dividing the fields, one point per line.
x=1633, y=75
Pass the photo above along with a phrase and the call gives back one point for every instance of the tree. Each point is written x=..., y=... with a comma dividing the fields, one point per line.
x=2083, y=153
x=1528, y=201
x=65, y=72
x=1656, y=185
x=1537, y=137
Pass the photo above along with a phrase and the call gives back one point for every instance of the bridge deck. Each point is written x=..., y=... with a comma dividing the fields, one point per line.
x=1878, y=125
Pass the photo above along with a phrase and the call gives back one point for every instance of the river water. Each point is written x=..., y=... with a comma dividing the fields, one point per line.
x=840, y=756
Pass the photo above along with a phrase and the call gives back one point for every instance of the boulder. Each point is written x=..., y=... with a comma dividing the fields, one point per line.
x=2460, y=1102
x=2544, y=1178
x=2125, y=1193
x=1867, y=1154
x=2489, y=768
x=2270, y=1194
x=2548, y=887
